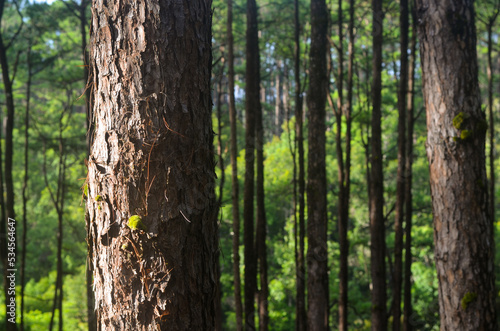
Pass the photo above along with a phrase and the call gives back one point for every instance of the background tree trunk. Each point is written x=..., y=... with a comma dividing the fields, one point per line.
x=407, y=325
x=401, y=172
x=376, y=183
x=153, y=157
x=300, y=270
x=317, y=253
x=234, y=169
x=252, y=103
x=456, y=152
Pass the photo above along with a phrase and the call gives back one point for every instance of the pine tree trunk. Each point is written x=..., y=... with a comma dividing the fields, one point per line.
x=317, y=253
x=25, y=181
x=300, y=269
x=152, y=157
x=234, y=169
x=407, y=310
x=252, y=103
x=377, y=227
x=400, y=185
x=260, y=236
x=456, y=152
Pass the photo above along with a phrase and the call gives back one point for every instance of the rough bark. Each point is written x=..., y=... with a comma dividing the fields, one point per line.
x=152, y=157
x=401, y=172
x=456, y=153
x=377, y=227
x=252, y=103
x=407, y=310
x=317, y=276
x=234, y=169
x=300, y=269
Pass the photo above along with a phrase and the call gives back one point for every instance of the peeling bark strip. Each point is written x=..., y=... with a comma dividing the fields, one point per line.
x=152, y=157
x=456, y=152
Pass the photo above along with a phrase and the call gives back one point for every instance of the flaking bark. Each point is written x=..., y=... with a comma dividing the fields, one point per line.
x=152, y=156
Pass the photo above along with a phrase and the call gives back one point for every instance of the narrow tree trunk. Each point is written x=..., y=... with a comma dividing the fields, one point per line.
x=278, y=120
x=342, y=207
x=9, y=183
x=234, y=169
x=218, y=303
x=317, y=254
x=252, y=103
x=407, y=326
x=300, y=270
x=456, y=152
x=152, y=160
x=490, y=25
x=377, y=227
x=260, y=236
x=401, y=172
x=25, y=181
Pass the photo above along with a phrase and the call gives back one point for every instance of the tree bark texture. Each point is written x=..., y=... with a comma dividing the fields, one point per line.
x=152, y=157
x=456, y=153
x=252, y=103
x=317, y=253
x=376, y=183
x=234, y=168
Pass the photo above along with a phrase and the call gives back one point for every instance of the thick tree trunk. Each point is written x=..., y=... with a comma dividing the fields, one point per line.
x=300, y=269
x=252, y=103
x=377, y=227
x=456, y=152
x=407, y=326
x=234, y=169
x=401, y=172
x=152, y=157
x=317, y=253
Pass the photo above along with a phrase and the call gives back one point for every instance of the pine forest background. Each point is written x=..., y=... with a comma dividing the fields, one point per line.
x=44, y=45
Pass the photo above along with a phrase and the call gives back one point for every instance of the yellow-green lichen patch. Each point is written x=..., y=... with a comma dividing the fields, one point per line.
x=468, y=298
x=458, y=121
x=465, y=134
x=98, y=198
x=135, y=222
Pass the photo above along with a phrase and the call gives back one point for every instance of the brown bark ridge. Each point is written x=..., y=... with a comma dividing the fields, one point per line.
x=401, y=172
x=376, y=197
x=300, y=269
x=252, y=102
x=456, y=153
x=317, y=252
x=152, y=157
x=234, y=169
x=407, y=307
